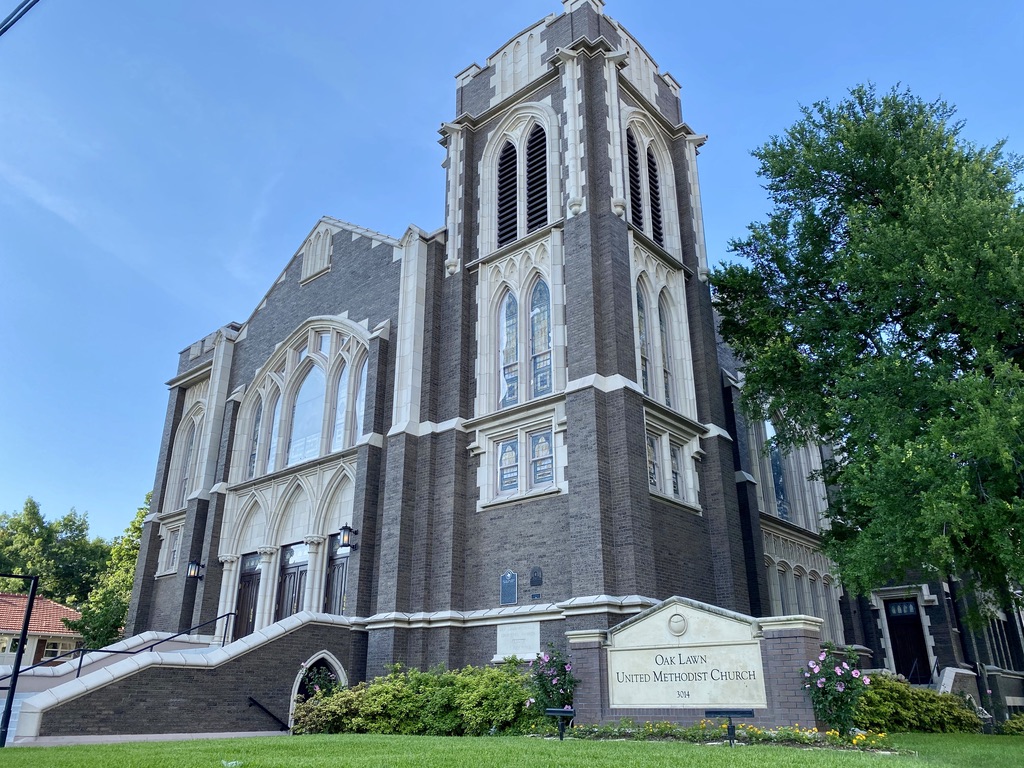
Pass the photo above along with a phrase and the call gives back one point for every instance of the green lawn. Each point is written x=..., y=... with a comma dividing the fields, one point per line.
x=934, y=751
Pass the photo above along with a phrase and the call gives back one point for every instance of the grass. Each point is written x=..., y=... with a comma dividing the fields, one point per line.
x=934, y=751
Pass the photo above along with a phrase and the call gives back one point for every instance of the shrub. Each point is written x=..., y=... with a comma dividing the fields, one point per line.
x=1014, y=726
x=470, y=701
x=891, y=704
x=834, y=684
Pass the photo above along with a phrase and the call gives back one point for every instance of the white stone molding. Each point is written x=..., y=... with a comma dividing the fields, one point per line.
x=519, y=62
x=616, y=139
x=572, y=5
x=409, y=351
x=692, y=142
x=456, y=142
x=574, y=131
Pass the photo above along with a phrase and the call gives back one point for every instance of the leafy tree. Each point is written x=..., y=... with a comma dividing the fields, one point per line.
x=61, y=553
x=881, y=311
x=103, y=614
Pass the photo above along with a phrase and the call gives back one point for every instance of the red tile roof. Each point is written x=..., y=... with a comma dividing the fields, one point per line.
x=46, y=615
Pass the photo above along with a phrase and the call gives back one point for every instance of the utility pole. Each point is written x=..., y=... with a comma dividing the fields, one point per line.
x=5, y=721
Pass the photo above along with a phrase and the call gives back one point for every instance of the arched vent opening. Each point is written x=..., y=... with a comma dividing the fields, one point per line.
x=636, y=203
x=507, y=214
x=654, y=184
x=536, y=180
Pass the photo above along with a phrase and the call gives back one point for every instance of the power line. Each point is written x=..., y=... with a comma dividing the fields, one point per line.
x=23, y=8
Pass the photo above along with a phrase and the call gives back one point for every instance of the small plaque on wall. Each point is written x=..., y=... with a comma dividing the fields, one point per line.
x=509, y=588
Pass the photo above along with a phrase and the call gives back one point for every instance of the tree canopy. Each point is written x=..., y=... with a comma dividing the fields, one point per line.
x=67, y=561
x=880, y=310
x=103, y=614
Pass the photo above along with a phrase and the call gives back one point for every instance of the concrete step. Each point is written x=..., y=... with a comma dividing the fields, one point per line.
x=15, y=708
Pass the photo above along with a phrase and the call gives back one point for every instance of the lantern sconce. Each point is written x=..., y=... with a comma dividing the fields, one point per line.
x=194, y=566
x=347, y=533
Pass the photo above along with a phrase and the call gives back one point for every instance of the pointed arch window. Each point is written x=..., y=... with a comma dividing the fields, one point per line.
x=540, y=339
x=526, y=339
x=665, y=334
x=309, y=402
x=275, y=432
x=339, y=437
x=645, y=341
x=307, y=417
x=508, y=349
x=645, y=195
x=254, y=439
x=522, y=197
x=360, y=404
x=186, y=478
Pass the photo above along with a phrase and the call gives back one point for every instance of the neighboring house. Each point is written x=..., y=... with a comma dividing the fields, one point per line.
x=47, y=635
x=523, y=417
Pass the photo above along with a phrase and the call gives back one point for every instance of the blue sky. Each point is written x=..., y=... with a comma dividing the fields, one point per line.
x=160, y=162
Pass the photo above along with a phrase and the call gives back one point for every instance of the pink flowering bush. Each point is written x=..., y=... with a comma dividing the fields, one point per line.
x=835, y=685
x=552, y=680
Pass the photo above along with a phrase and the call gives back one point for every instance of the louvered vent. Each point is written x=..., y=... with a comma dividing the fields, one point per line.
x=536, y=179
x=507, y=224
x=636, y=204
x=653, y=181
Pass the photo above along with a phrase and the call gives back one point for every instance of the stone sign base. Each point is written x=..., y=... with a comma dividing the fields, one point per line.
x=682, y=657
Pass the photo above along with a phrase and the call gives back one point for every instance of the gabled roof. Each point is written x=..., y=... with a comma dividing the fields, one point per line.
x=46, y=615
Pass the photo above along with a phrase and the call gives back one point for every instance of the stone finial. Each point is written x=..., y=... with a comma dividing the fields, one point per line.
x=572, y=5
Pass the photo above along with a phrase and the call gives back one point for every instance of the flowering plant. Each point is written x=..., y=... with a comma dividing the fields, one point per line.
x=835, y=685
x=552, y=680
x=318, y=679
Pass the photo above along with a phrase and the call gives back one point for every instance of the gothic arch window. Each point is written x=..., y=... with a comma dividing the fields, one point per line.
x=254, y=440
x=667, y=348
x=307, y=402
x=184, y=470
x=307, y=417
x=522, y=186
x=526, y=339
x=648, y=180
x=644, y=330
x=317, y=253
x=508, y=349
x=519, y=184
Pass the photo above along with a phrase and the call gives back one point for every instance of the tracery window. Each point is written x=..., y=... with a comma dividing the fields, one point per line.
x=309, y=403
x=656, y=352
x=519, y=340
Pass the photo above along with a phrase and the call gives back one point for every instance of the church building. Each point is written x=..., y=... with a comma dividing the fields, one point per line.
x=468, y=441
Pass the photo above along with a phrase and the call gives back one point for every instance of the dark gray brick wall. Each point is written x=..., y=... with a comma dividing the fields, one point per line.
x=191, y=700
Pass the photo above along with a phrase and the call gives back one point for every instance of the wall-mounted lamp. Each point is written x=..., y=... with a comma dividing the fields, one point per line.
x=346, y=537
x=194, y=566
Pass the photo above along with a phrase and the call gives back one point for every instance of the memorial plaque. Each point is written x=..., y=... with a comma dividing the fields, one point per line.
x=509, y=588
x=684, y=655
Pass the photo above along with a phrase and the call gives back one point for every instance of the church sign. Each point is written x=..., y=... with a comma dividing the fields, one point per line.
x=686, y=655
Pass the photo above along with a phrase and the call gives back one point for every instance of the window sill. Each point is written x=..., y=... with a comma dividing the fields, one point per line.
x=537, y=493
x=677, y=502
x=165, y=574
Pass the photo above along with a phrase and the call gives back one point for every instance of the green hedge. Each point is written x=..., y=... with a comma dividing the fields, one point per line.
x=893, y=705
x=1013, y=727
x=468, y=702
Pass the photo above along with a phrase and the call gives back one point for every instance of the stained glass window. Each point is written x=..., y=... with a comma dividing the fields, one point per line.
x=339, y=438
x=508, y=341
x=540, y=339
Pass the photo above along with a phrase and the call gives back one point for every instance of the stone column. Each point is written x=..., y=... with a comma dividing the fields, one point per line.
x=268, y=586
x=228, y=589
x=316, y=572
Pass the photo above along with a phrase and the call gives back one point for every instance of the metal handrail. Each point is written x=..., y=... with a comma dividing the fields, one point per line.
x=282, y=723
x=80, y=652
